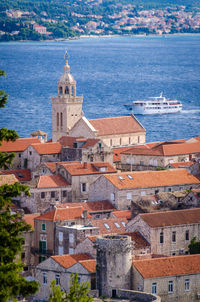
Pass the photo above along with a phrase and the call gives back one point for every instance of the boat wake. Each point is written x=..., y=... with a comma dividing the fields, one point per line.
x=190, y=111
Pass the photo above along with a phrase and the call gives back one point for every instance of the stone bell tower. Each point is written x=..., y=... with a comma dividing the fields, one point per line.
x=66, y=106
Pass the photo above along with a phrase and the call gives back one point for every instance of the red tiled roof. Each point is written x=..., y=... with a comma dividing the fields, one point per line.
x=77, y=168
x=51, y=166
x=168, y=266
x=110, y=226
x=89, y=265
x=68, y=260
x=47, y=148
x=146, y=179
x=29, y=218
x=68, y=141
x=182, y=164
x=92, y=238
x=139, y=240
x=122, y=214
x=17, y=146
x=90, y=206
x=20, y=174
x=8, y=179
x=52, y=181
x=117, y=153
x=63, y=214
x=116, y=125
x=165, y=149
x=168, y=218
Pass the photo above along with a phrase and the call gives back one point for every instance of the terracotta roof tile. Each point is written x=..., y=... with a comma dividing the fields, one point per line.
x=51, y=166
x=167, y=218
x=19, y=145
x=20, y=174
x=168, y=266
x=89, y=265
x=68, y=141
x=116, y=125
x=182, y=164
x=8, y=179
x=68, y=260
x=63, y=214
x=146, y=179
x=52, y=181
x=122, y=214
x=110, y=226
x=117, y=153
x=165, y=149
x=78, y=168
x=29, y=218
x=92, y=238
x=47, y=148
x=90, y=206
x=139, y=240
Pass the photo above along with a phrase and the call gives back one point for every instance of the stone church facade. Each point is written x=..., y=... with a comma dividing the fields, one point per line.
x=68, y=119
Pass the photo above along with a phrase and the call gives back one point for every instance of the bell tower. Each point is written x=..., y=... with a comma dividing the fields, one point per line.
x=66, y=106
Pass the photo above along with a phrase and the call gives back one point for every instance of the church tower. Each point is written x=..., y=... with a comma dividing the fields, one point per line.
x=66, y=106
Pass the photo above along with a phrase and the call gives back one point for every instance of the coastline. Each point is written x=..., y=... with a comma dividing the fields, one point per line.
x=104, y=36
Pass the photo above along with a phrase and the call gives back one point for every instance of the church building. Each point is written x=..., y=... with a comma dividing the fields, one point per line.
x=68, y=119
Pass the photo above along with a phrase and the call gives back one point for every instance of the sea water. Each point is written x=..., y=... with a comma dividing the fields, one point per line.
x=110, y=72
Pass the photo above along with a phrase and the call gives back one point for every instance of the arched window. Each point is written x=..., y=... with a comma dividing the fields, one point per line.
x=61, y=119
x=57, y=119
x=72, y=90
x=60, y=90
x=66, y=90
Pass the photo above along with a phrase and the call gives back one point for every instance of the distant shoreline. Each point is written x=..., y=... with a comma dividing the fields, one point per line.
x=103, y=36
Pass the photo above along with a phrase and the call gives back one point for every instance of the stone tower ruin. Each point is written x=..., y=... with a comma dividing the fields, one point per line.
x=114, y=262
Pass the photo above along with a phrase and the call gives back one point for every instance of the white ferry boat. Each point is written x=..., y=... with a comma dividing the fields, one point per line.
x=155, y=105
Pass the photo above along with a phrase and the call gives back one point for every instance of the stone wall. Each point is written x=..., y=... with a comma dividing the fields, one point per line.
x=137, y=296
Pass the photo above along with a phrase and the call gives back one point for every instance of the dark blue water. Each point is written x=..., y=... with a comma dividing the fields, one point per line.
x=109, y=73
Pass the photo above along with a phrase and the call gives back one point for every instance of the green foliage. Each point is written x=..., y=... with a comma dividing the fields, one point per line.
x=194, y=246
x=12, y=227
x=78, y=291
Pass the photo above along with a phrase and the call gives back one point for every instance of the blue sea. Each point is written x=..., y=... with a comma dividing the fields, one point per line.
x=109, y=72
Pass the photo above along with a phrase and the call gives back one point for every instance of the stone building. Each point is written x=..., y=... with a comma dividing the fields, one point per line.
x=68, y=119
x=45, y=226
x=35, y=154
x=85, y=150
x=114, y=263
x=60, y=268
x=122, y=188
x=81, y=175
x=18, y=148
x=172, y=278
x=153, y=155
x=46, y=191
x=191, y=200
x=168, y=232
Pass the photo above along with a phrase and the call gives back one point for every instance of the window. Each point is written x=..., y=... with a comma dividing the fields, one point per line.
x=60, y=250
x=117, y=225
x=57, y=279
x=169, y=189
x=141, y=163
x=187, y=235
x=71, y=250
x=112, y=196
x=57, y=119
x=170, y=287
x=138, y=140
x=60, y=235
x=64, y=193
x=19, y=155
x=30, y=152
x=129, y=176
x=161, y=237
x=83, y=187
x=71, y=238
x=128, y=195
x=143, y=193
x=42, y=194
x=53, y=194
x=187, y=285
x=43, y=247
x=44, y=227
x=123, y=223
x=44, y=278
x=111, y=142
x=107, y=226
x=61, y=119
x=174, y=236
x=154, y=288
x=156, y=191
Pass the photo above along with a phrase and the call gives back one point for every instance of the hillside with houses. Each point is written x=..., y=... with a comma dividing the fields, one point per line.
x=40, y=20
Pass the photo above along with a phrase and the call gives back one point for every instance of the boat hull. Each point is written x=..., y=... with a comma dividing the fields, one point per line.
x=143, y=111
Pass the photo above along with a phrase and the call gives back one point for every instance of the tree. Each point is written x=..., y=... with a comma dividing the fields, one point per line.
x=12, y=227
x=78, y=291
x=194, y=246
